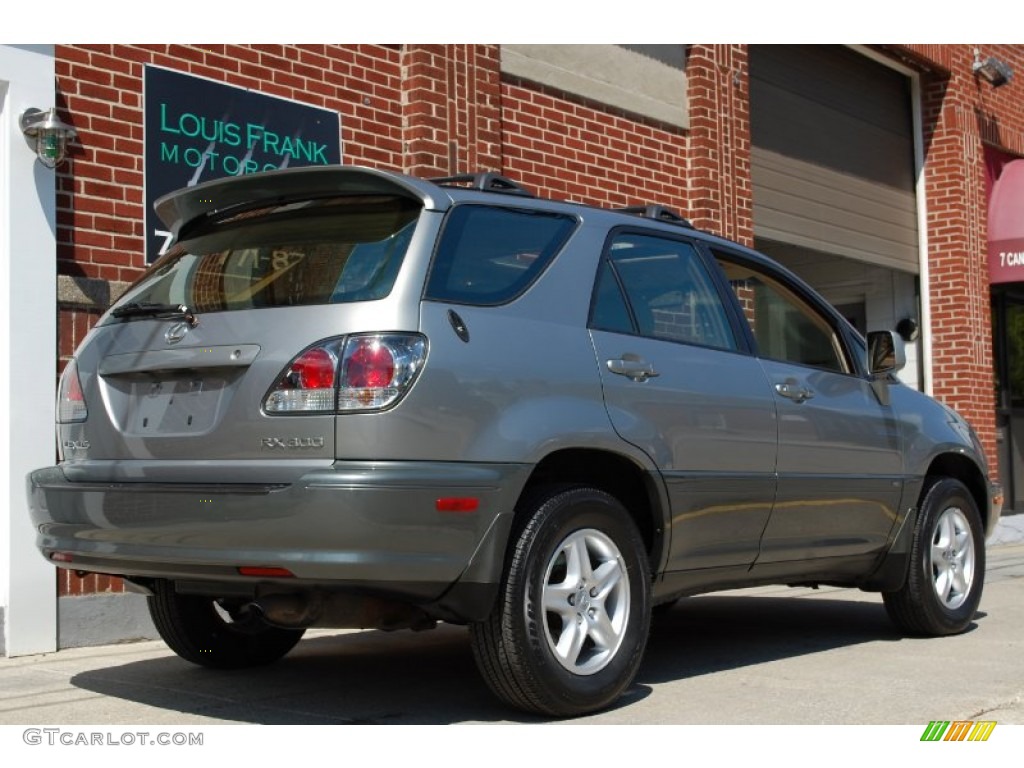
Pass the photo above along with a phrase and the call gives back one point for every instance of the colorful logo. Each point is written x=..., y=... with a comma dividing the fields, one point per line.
x=958, y=730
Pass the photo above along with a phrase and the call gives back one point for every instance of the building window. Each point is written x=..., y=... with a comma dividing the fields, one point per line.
x=647, y=80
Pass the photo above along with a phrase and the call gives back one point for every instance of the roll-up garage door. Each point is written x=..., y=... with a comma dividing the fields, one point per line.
x=833, y=154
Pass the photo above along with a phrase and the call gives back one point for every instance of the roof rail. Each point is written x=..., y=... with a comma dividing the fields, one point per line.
x=485, y=181
x=658, y=213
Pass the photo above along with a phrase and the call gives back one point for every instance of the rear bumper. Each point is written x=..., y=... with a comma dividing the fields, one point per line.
x=353, y=526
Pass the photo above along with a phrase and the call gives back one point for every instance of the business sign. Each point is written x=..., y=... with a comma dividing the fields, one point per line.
x=197, y=130
x=1006, y=226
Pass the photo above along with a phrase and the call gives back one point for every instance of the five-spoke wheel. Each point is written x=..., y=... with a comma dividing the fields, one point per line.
x=569, y=629
x=953, y=558
x=947, y=563
x=586, y=601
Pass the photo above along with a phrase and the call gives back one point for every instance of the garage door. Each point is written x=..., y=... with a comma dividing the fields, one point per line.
x=833, y=153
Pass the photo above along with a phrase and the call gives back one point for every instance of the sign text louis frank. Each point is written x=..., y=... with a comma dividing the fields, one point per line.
x=246, y=136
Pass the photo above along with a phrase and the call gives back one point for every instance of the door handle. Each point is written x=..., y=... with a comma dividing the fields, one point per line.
x=791, y=389
x=632, y=367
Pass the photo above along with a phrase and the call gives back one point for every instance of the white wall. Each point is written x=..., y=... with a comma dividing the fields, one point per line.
x=28, y=348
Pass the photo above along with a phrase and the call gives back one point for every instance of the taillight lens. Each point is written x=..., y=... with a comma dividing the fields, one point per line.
x=315, y=369
x=377, y=369
x=70, y=400
x=362, y=372
x=307, y=384
x=369, y=365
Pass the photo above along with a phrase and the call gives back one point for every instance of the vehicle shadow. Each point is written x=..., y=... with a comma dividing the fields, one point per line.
x=708, y=634
x=374, y=677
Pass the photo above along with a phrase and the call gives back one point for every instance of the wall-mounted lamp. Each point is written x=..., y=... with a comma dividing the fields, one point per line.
x=49, y=134
x=991, y=70
x=908, y=329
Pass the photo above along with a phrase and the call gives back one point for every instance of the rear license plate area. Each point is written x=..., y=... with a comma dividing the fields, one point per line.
x=175, y=406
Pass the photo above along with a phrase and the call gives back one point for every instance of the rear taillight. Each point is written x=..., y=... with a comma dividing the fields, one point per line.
x=70, y=400
x=308, y=383
x=362, y=372
x=377, y=370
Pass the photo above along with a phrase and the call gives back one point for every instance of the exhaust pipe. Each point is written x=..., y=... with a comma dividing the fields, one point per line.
x=299, y=610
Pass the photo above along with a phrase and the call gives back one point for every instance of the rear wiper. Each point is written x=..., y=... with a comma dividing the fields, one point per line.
x=159, y=311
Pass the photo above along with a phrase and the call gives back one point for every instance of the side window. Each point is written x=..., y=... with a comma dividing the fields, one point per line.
x=785, y=326
x=668, y=293
x=489, y=255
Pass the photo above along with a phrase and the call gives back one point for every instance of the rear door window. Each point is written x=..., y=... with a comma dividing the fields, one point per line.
x=659, y=288
x=490, y=255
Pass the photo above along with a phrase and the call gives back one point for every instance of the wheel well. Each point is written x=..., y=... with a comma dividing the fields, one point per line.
x=967, y=472
x=614, y=474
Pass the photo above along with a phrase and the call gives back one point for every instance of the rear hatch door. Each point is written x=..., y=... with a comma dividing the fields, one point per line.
x=180, y=368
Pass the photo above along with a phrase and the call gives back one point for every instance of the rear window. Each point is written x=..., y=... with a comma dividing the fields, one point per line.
x=489, y=255
x=311, y=252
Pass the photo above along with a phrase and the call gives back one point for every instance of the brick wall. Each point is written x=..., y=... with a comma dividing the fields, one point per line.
x=571, y=149
x=960, y=115
x=721, y=191
x=452, y=109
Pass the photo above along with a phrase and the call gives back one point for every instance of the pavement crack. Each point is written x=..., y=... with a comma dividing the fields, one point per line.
x=1012, y=703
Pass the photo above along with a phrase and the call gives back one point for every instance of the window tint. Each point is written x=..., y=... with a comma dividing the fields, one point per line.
x=309, y=252
x=785, y=326
x=490, y=255
x=669, y=292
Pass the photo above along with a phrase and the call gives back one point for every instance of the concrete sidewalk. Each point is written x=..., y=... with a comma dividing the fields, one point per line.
x=1010, y=530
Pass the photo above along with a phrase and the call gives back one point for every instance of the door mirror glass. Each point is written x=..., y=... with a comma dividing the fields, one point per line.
x=885, y=352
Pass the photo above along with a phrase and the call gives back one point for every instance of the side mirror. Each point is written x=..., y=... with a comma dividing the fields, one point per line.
x=886, y=353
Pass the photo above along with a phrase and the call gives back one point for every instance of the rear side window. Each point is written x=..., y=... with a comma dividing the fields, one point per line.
x=323, y=251
x=489, y=255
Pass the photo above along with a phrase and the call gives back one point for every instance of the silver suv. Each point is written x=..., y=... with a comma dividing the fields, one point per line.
x=352, y=398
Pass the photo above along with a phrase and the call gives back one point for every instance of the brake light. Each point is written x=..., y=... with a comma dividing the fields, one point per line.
x=369, y=364
x=70, y=400
x=377, y=370
x=315, y=369
x=354, y=373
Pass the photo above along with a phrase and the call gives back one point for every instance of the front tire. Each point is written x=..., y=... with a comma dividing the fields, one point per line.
x=569, y=629
x=217, y=634
x=947, y=564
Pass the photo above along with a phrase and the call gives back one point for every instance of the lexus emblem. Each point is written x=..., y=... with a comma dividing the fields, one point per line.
x=176, y=333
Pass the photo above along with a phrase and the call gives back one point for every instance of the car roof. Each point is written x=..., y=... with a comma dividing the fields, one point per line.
x=238, y=193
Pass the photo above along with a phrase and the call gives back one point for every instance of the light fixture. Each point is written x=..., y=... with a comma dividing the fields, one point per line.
x=49, y=134
x=908, y=329
x=991, y=70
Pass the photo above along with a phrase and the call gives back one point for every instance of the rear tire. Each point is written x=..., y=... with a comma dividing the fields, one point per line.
x=567, y=634
x=215, y=634
x=947, y=564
